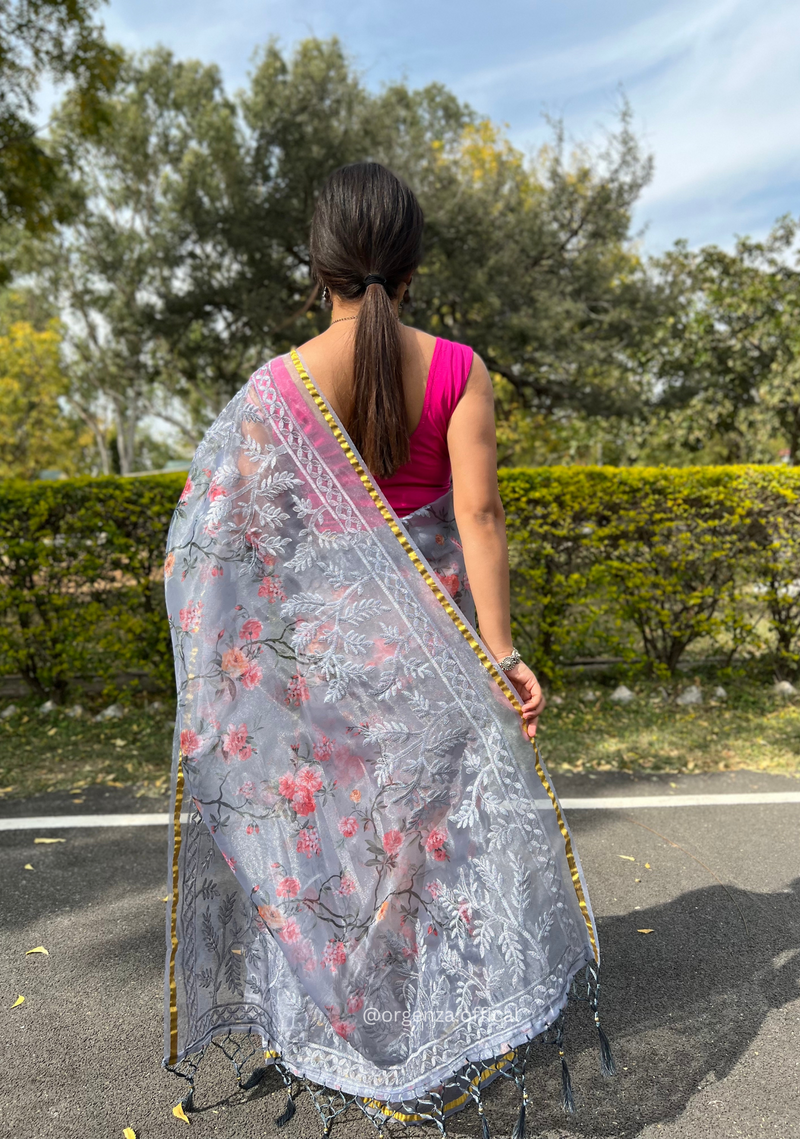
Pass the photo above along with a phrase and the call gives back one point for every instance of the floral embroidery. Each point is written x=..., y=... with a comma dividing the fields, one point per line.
x=308, y=842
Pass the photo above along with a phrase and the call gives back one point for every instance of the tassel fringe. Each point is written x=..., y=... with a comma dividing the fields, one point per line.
x=485, y=1129
x=567, y=1098
x=519, y=1126
x=607, y=1065
x=187, y=1103
x=288, y=1112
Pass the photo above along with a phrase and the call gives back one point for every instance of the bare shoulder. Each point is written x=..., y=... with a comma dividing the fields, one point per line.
x=479, y=382
x=417, y=343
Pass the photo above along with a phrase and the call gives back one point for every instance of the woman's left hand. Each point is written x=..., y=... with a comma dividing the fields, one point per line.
x=530, y=695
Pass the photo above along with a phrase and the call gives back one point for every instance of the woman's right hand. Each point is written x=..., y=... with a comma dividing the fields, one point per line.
x=530, y=695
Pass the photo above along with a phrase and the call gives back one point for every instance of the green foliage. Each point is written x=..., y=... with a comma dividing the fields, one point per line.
x=641, y=564
x=81, y=582
x=188, y=263
x=57, y=39
x=646, y=563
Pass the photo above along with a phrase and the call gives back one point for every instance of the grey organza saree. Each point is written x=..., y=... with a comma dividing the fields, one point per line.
x=373, y=886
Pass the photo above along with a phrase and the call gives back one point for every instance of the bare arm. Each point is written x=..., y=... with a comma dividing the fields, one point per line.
x=472, y=444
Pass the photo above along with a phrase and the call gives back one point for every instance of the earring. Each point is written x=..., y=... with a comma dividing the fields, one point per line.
x=326, y=295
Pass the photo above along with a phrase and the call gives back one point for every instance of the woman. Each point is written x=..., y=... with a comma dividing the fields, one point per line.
x=373, y=880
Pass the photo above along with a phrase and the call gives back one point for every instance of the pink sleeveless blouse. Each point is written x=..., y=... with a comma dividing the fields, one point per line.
x=426, y=475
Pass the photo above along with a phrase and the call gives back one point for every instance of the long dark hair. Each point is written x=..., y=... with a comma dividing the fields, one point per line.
x=368, y=221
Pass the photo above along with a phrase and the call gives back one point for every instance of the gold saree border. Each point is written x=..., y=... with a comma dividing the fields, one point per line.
x=452, y=613
x=176, y=849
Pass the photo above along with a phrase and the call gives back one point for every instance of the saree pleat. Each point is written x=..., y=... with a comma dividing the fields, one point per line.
x=372, y=876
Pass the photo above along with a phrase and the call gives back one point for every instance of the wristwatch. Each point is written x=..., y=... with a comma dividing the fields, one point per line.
x=509, y=662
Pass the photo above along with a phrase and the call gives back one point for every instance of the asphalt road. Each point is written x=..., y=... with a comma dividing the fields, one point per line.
x=703, y=1013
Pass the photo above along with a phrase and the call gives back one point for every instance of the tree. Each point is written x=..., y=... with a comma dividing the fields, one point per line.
x=57, y=39
x=188, y=264
x=35, y=431
x=726, y=353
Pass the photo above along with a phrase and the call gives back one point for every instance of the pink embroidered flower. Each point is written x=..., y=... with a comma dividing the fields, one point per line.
x=333, y=955
x=435, y=839
x=355, y=795
x=440, y=539
x=464, y=913
x=271, y=588
x=308, y=842
x=251, y=677
x=169, y=565
x=290, y=931
x=309, y=778
x=347, y=885
x=190, y=742
x=190, y=616
x=382, y=908
x=303, y=802
x=250, y=630
x=450, y=582
x=349, y=826
x=235, y=740
x=297, y=691
x=440, y=854
x=287, y=785
x=433, y=889
x=355, y=1003
x=343, y=1028
x=392, y=841
x=234, y=662
x=215, y=491
x=272, y=916
x=231, y=861
x=187, y=490
x=323, y=749
x=287, y=888
x=247, y=789
x=245, y=752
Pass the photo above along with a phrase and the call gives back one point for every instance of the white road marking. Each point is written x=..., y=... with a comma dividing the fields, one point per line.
x=601, y=803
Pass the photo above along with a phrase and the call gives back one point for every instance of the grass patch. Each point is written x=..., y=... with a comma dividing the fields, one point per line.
x=53, y=752
x=753, y=728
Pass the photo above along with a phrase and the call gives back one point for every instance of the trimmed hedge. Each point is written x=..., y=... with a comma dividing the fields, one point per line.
x=629, y=562
x=81, y=583
x=645, y=562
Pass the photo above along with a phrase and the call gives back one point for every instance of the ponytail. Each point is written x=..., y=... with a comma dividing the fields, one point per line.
x=377, y=419
x=366, y=241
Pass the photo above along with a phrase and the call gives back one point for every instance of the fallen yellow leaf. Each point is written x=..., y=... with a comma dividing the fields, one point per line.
x=637, y=879
x=20, y=1000
x=112, y=783
x=49, y=840
x=645, y=931
x=647, y=866
x=165, y=898
x=627, y=857
x=52, y=731
x=179, y=1113
x=119, y=743
x=38, y=949
x=673, y=784
x=129, y=1133
x=27, y=866
x=5, y=790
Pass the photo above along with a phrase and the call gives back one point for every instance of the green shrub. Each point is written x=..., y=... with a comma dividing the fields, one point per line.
x=81, y=586
x=635, y=563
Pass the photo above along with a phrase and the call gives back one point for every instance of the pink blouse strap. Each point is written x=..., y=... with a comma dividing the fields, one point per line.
x=449, y=372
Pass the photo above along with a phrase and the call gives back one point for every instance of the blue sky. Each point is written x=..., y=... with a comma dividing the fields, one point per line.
x=714, y=84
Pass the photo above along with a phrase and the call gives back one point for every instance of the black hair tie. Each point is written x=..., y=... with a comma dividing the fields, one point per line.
x=374, y=279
